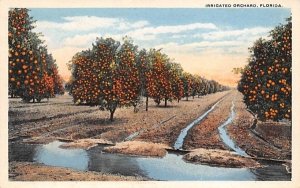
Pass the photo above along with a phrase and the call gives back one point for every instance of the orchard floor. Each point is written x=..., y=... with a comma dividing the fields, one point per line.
x=84, y=126
x=61, y=119
x=28, y=171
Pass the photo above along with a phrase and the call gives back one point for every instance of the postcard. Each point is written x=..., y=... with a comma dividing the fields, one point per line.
x=137, y=93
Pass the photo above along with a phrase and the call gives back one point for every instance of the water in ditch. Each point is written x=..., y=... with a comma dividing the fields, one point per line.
x=179, y=142
x=170, y=167
x=226, y=138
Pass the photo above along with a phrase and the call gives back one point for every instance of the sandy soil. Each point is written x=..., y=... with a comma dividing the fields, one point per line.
x=61, y=119
x=277, y=133
x=84, y=143
x=218, y=157
x=240, y=131
x=25, y=171
x=206, y=134
x=168, y=132
x=139, y=148
x=156, y=130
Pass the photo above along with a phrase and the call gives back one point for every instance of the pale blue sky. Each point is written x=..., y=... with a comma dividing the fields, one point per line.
x=200, y=39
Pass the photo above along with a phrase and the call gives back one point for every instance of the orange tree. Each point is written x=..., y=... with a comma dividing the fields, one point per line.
x=29, y=65
x=110, y=87
x=111, y=75
x=143, y=65
x=198, y=85
x=195, y=85
x=93, y=81
x=204, y=87
x=175, y=72
x=266, y=80
x=106, y=76
x=187, y=84
x=84, y=88
x=19, y=31
x=215, y=86
x=126, y=75
x=159, y=87
x=57, y=80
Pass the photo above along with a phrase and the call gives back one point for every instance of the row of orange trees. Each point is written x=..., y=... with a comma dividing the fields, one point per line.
x=33, y=73
x=267, y=80
x=111, y=75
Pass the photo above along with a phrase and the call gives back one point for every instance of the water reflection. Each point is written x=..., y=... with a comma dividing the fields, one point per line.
x=51, y=154
x=113, y=163
x=22, y=152
x=271, y=172
x=171, y=167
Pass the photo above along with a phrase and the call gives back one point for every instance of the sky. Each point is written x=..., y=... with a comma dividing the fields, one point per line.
x=208, y=42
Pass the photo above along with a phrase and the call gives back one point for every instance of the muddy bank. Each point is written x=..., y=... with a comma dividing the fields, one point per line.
x=27, y=171
x=254, y=145
x=85, y=143
x=139, y=148
x=217, y=157
x=276, y=133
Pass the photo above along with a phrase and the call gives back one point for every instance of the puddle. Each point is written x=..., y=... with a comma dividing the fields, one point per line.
x=171, y=167
x=226, y=138
x=51, y=154
x=179, y=142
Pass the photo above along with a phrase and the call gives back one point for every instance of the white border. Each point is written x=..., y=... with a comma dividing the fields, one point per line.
x=6, y=4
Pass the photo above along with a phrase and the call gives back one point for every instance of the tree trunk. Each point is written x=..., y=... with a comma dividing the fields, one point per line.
x=178, y=100
x=166, y=100
x=187, y=98
x=193, y=96
x=135, y=109
x=112, y=115
x=146, y=103
x=33, y=100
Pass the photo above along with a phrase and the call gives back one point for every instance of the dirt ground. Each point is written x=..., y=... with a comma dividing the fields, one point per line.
x=168, y=132
x=147, y=133
x=219, y=157
x=61, y=119
x=139, y=148
x=84, y=143
x=265, y=140
x=26, y=171
x=270, y=140
x=206, y=134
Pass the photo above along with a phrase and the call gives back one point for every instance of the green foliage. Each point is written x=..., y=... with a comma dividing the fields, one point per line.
x=33, y=73
x=266, y=81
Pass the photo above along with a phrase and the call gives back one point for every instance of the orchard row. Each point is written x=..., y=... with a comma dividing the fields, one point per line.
x=33, y=74
x=267, y=80
x=111, y=75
